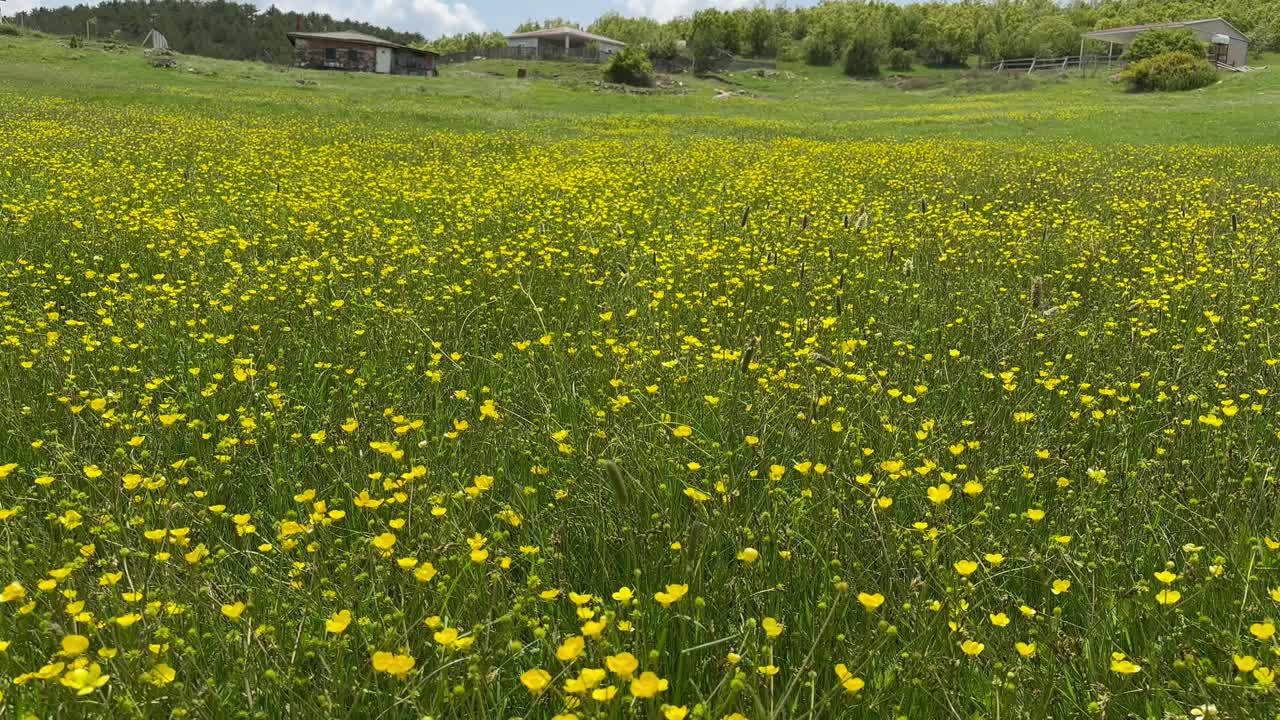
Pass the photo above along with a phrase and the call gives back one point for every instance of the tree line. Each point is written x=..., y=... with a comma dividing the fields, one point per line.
x=937, y=33
x=213, y=28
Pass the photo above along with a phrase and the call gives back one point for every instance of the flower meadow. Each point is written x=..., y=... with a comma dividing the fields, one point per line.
x=303, y=417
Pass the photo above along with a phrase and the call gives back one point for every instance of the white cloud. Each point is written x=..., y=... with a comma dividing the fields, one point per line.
x=664, y=10
x=429, y=17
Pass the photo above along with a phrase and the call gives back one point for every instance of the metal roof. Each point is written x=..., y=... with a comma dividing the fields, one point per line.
x=563, y=31
x=353, y=37
x=1135, y=29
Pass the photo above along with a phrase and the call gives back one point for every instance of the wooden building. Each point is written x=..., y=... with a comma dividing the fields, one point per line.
x=358, y=52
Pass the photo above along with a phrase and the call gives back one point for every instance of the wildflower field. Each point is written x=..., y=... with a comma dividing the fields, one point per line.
x=304, y=417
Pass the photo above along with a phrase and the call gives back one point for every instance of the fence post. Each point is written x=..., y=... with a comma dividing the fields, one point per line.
x=1033, y=66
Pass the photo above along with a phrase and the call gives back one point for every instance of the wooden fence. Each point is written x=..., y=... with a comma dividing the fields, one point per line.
x=1054, y=64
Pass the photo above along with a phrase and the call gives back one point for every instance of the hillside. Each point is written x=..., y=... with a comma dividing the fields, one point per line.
x=564, y=98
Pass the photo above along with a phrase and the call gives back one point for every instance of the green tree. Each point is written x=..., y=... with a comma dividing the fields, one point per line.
x=471, y=43
x=947, y=37
x=831, y=27
x=632, y=31
x=761, y=31
x=1053, y=36
x=903, y=25
x=706, y=40
x=545, y=24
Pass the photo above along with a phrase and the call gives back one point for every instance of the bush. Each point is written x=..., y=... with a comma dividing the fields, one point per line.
x=1159, y=42
x=899, y=60
x=862, y=57
x=7, y=29
x=630, y=66
x=1170, y=71
x=817, y=51
x=73, y=41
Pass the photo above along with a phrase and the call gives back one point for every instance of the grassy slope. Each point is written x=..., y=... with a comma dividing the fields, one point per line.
x=560, y=98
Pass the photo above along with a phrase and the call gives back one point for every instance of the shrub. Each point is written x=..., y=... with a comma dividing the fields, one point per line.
x=817, y=51
x=73, y=41
x=7, y=29
x=1158, y=42
x=899, y=60
x=1170, y=71
x=862, y=57
x=630, y=66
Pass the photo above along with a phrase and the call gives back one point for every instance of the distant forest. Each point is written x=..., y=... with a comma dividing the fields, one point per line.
x=217, y=29
x=939, y=33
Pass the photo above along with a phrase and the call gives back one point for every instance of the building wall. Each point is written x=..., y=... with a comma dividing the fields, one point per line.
x=1238, y=53
x=344, y=56
x=1237, y=49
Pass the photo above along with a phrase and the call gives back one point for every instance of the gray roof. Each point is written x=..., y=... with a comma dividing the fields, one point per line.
x=352, y=37
x=562, y=31
x=1135, y=29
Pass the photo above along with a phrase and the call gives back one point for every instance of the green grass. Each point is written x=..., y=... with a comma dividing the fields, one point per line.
x=818, y=102
x=462, y=397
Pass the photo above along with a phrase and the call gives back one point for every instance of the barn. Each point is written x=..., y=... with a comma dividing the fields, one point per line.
x=1227, y=46
x=358, y=52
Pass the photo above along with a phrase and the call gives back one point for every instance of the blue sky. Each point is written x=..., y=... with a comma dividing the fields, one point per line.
x=437, y=17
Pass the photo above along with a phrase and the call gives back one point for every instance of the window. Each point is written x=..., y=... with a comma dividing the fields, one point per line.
x=330, y=55
x=353, y=56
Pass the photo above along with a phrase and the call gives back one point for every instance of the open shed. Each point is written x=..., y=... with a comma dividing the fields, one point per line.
x=562, y=42
x=1226, y=44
